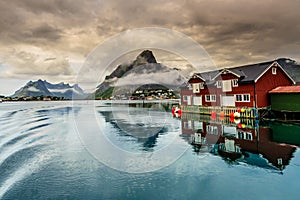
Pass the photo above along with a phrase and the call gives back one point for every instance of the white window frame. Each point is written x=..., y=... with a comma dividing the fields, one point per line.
x=274, y=70
x=197, y=100
x=213, y=130
x=244, y=97
x=219, y=84
x=207, y=98
x=226, y=86
x=244, y=135
x=235, y=83
x=210, y=98
x=196, y=87
x=213, y=98
x=240, y=98
x=201, y=85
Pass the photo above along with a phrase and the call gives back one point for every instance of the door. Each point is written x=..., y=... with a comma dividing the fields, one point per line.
x=188, y=99
x=197, y=100
x=228, y=101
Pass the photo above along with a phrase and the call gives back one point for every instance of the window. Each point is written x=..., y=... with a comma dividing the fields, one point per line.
x=201, y=85
x=198, y=125
x=210, y=98
x=248, y=136
x=242, y=97
x=274, y=69
x=188, y=125
x=184, y=98
x=219, y=84
x=207, y=98
x=212, y=130
x=235, y=83
x=226, y=86
x=244, y=135
x=213, y=98
x=238, y=98
x=197, y=100
x=246, y=97
x=196, y=87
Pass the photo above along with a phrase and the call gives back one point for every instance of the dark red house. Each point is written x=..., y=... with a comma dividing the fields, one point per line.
x=243, y=86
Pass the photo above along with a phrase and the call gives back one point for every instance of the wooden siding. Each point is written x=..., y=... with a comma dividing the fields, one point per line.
x=241, y=89
x=196, y=80
x=227, y=76
x=267, y=82
x=258, y=91
x=185, y=92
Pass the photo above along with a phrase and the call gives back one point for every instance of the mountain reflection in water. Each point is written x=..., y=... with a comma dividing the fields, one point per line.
x=140, y=125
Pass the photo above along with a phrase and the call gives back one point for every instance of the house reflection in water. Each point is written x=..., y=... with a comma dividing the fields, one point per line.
x=236, y=141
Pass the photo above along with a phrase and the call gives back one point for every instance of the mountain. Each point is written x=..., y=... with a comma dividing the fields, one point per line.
x=44, y=88
x=126, y=78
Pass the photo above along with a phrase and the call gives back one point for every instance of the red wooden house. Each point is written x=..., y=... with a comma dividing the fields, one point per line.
x=243, y=86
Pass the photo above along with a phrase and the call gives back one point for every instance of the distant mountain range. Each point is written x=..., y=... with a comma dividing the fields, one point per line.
x=123, y=81
x=126, y=78
x=44, y=88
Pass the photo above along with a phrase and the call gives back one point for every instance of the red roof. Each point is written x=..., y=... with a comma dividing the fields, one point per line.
x=286, y=89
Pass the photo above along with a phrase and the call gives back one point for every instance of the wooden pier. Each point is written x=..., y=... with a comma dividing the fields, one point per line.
x=247, y=122
x=225, y=111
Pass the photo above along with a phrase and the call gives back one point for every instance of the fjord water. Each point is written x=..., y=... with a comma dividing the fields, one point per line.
x=44, y=155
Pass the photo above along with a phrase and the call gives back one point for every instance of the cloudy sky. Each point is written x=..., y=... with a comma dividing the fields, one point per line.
x=50, y=39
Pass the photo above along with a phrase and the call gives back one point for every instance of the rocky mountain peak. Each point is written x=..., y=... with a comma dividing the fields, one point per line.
x=143, y=70
x=145, y=57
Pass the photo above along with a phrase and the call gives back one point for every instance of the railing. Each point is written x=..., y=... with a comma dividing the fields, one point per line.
x=248, y=122
x=244, y=112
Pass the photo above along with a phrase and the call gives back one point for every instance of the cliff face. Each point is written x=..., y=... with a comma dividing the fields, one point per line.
x=143, y=70
x=143, y=58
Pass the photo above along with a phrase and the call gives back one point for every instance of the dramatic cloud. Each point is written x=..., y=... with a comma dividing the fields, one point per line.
x=233, y=32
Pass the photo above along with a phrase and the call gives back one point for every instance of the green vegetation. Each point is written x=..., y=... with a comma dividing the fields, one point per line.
x=104, y=95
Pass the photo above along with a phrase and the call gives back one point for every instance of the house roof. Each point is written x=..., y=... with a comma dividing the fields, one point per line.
x=291, y=67
x=252, y=72
x=286, y=89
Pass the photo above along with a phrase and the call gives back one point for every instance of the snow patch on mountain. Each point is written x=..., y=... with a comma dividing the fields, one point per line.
x=33, y=89
x=64, y=90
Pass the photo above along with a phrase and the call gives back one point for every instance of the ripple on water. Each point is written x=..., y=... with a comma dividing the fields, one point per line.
x=23, y=139
x=20, y=165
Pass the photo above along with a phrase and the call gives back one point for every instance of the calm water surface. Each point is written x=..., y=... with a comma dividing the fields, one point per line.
x=48, y=151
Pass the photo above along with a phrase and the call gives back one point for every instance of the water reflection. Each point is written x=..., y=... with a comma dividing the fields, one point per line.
x=134, y=124
x=269, y=146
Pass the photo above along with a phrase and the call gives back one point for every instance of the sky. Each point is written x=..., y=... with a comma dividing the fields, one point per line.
x=51, y=39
